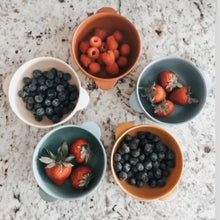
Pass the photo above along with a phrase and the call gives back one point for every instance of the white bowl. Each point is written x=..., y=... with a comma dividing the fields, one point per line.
x=43, y=64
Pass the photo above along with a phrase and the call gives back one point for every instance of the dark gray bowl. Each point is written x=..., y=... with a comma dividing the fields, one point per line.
x=190, y=76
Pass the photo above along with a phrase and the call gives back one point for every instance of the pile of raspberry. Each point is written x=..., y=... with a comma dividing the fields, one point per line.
x=102, y=51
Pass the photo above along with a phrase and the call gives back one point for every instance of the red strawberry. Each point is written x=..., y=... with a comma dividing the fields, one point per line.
x=81, y=176
x=58, y=166
x=182, y=96
x=154, y=93
x=169, y=80
x=165, y=108
x=81, y=150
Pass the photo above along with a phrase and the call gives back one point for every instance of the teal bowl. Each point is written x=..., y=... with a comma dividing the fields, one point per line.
x=52, y=140
x=189, y=75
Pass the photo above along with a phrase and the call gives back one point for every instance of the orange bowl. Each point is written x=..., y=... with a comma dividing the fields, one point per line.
x=109, y=20
x=146, y=192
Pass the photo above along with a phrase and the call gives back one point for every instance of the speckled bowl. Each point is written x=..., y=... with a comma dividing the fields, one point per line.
x=189, y=75
x=14, y=83
x=109, y=20
x=167, y=192
x=52, y=140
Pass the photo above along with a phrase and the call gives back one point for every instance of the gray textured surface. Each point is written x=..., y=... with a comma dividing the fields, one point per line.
x=38, y=28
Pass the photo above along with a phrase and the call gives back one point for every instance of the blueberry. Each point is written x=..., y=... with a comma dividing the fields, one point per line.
x=38, y=117
x=148, y=148
x=126, y=167
x=37, y=73
x=142, y=176
x=130, y=173
x=152, y=183
x=128, y=137
x=135, y=153
x=155, y=139
x=22, y=93
x=148, y=165
x=134, y=143
x=143, y=142
x=142, y=157
x=158, y=173
x=40, y=112
x=122, y=175
x=60, y=88
x=37, y=105
x=55, y=118
x=165, y=173
x=156, y=164
x=34, y=81
x=30, y=100
x=32, y=87
x=59, y=111
x=161, y=155
x=160, y=147
x=153, y=156
x=170, y=163
x=132, y=181
x=117, y=166
x=126, y=157
x=62, y=96
x=72, y=88
x=49, y=83
x=122, y=161
x=51, y=94
x=49, y=111
x=117, y=157
x=26, y=81
x=73, y=96
x=126, y=148
x=38, y=98
x=161, y=183
x=140, y=166
x=150, y=174
x=141, y=135
x=51, y=73
x=66, y=76
x=57, y=80
x=149, y=136
x=47, y=102
x=133, y=161
x=65, y=84
x=60, y=74
x=134, y=169
x=121, y=151
x=140, y=183
x=163, y=166
x=29, y=106
x=43, y=88
x=170, y=155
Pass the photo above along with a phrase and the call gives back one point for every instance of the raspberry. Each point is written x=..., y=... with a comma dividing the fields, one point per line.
x=111, y=43
x=125, y=49
x=85, y=60
x=118, y=36
x=95, y=41
x=122, y=61
x=100, y=33
x=112, y=69
x=93, y=52
x=94, y=68
x=84, y=46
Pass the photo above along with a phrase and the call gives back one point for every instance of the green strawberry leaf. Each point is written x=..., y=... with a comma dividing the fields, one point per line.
x=46, y=160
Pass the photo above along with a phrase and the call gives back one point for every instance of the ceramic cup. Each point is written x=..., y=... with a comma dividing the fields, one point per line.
x=14, y=83
x=167, y=192
x=189, y=75
x=109, y=20
x=89, y=131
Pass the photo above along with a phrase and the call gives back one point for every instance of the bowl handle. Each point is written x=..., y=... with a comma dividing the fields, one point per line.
x=6, y=84
x=133, y=102
x=45, y=196
x=105, y=85
x=92, y=127
x=106, y=10
x=171, y=195
x=122, y=127
x=83, y=99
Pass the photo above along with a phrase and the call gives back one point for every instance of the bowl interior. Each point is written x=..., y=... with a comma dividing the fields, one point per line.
x=16, y=84
x=146, y=192
x=52, y=141
x=189, y=76
x=108, y=22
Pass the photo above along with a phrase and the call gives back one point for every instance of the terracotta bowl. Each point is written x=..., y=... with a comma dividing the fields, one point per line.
x=109, y=20
x=146, y=193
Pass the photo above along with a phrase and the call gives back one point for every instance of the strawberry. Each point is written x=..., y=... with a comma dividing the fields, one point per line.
x=169, y=80
x=165, y=108
x=81, y=150
x=182, y=96
x=154, y=93
x=58, y=167
x=81, y=176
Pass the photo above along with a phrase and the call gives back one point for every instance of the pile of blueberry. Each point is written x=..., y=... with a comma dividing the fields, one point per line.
x=48, y=93
x=143, y=159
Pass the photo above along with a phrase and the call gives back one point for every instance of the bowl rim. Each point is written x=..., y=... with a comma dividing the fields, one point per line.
x=35, y=157
x=13, y=87
x=97, y=15
x=118, y=141
x=153, y=63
